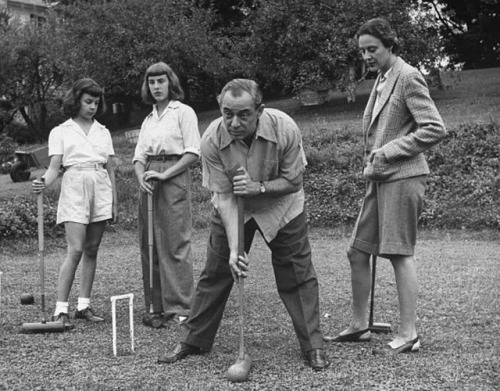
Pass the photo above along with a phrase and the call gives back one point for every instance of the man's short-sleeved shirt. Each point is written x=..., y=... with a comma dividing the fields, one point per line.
x=76, y=147
x=275, y=152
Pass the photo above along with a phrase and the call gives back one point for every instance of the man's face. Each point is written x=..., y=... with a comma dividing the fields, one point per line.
x=240, y=114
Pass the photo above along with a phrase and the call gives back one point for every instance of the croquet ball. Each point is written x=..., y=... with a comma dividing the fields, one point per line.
x=27, y=298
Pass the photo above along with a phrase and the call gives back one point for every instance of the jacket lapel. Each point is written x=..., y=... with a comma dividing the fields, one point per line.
x=369, y=106
x=387, y=91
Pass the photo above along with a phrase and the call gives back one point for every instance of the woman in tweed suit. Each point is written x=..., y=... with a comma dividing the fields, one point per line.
x=400, y=122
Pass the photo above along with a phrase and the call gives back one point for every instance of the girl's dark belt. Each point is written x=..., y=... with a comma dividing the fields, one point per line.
x=163, y=158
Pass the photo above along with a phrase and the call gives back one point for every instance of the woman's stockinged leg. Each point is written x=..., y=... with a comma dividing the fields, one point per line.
x=361, y=282
x=407, y=285
x=75, y=237
x=95, y=232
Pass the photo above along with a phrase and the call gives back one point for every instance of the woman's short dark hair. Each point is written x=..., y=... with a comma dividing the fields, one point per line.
x=175, y=90
x=71, y=102
x=381, y=29
x=237, y=86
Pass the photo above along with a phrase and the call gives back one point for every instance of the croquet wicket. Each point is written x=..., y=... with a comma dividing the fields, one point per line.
x=130, y=297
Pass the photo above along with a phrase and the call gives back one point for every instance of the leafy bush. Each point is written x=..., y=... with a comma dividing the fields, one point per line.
x=463, y=190
x=332, y=181
x=128, y=195
x=463, y=187
x=464, y=184
x=18, y=218
x=7, y=148
x=21, y=133
x=202, y=206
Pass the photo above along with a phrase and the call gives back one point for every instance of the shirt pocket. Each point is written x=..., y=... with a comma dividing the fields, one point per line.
x=270, y=169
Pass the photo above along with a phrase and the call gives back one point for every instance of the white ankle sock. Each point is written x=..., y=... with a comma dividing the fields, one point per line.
x=83, y=303
x=61, y=306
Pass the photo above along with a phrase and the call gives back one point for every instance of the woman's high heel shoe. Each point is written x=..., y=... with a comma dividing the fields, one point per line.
x=412, y=346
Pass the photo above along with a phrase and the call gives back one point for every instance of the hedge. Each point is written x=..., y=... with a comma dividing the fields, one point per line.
x=463, y=187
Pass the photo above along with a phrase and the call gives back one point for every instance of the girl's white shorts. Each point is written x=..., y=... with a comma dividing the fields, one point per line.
x=86, y=196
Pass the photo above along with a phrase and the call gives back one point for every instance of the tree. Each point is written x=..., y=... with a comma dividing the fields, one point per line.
x=296, y=43
x=114, y=42
x=471, y=31
x=29, y=75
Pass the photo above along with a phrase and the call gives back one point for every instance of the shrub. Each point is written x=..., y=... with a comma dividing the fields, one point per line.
x=18, y=218
x=464, y=183
x=463, y=187
x=21, y=133
x=128, y=195
x=332, y=182
x=202, y=206
x=7, y=148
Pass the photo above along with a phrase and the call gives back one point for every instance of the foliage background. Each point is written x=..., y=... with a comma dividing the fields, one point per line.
x=463, y=192
x=284, y=45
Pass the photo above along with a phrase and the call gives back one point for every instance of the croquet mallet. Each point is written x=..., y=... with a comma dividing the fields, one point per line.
x=44, y=326
x=154, y=320
x=240, y=370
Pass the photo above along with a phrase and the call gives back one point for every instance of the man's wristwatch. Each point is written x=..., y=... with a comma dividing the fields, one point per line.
x=262, y=188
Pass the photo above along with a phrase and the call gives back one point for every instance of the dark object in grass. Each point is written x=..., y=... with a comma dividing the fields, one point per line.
x=27, y=298
x=152, y=320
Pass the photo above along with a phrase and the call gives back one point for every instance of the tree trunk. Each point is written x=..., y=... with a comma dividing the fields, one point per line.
x=29, y=121
x=43, y=123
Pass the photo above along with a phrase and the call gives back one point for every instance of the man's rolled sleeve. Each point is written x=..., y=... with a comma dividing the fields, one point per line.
x=293, y=161
x=215, y=178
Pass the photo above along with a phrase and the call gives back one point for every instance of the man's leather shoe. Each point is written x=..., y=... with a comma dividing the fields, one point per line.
x=181, y=351
x=317, y=360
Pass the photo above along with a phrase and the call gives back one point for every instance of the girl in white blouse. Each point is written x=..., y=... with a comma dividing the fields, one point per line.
x=168, y=144
x=88, y=193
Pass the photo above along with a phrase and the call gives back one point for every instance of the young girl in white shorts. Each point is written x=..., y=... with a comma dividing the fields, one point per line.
x=88, y=193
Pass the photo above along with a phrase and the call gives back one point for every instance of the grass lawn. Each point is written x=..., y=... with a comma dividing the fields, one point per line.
x=458, y=320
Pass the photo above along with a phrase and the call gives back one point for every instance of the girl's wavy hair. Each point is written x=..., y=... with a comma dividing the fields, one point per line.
x=381, y=29
x=175, y=90
x=71, y=102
